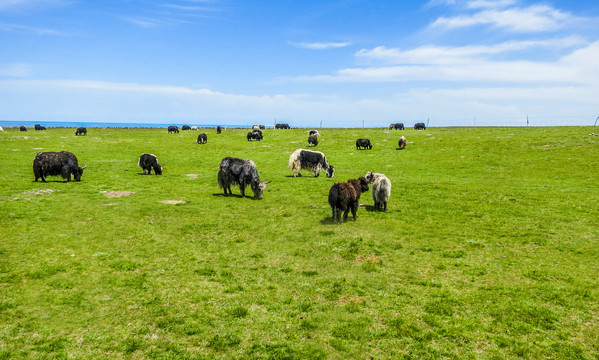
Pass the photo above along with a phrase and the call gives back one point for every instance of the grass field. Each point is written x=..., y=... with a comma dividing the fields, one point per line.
x=489, y=250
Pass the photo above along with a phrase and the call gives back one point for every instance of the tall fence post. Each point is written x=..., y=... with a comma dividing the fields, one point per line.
x=596, y=121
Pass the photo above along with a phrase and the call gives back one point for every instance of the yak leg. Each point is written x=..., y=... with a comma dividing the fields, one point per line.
x=354, y=210
x=345, y=213
x=242, y=189
x=385, y=204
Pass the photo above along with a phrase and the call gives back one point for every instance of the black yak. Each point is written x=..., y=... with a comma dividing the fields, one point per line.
x=310, y=160
x=173, y=129
x=61, y=163
x=185, y=127
x=81, y=131
x=419, y=126
x=202, y=139
x=254, y=135
x=23, y=128
x=147, y=162
x=363, y=144
x=313, y=140
x=218, y=129
x=242, y=172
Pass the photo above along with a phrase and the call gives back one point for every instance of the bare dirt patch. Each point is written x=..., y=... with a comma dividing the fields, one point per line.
x=192, y=176
x=39, y=192
x=173, y=202
x=116, y=194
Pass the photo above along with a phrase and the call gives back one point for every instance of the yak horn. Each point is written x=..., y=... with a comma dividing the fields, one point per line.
x=84, y=167
x=267, y=182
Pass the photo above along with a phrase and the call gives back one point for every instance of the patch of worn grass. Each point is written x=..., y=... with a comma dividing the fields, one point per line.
x=488, y=249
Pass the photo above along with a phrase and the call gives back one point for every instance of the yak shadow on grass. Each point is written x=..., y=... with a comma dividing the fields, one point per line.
x=233, y=195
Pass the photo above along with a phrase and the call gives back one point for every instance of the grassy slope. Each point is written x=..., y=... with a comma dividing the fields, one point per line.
x=489, y=248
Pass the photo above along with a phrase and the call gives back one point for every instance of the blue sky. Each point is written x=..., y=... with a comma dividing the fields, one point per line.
x=345, y=63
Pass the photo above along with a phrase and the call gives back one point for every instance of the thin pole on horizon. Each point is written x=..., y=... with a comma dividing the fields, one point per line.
x=527, y=120
x=321, y=124
x=362, y=124
x=427, y=120
x=596, y=121
x=475, y=121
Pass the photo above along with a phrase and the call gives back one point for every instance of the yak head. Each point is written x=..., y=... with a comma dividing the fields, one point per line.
x=158, y=169
x=363, y=184
x=258, y=189
x=369, y=176
x=330, y=171
x=78, y=172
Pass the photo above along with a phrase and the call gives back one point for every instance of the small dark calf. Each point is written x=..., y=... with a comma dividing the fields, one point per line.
x=344, y=197
x=23, y=128
x=313, y=140
x=219, y=129
x=81, y=131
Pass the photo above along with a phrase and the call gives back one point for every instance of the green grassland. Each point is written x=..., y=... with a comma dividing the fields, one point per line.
x=489, y=250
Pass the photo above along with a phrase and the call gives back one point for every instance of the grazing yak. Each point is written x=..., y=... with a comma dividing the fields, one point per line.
x=61, y=163
x=282, y=126
x=254, y=135
x=173, y=129
x=363, y=144
x=185, y=127
x=39, y=127
x=81, y=131
x=147, y=162
x=194, y=128
x=262, y=127
x=396, y=126
x=310, y=160
x=202, y=139
x=402, y=143
x=314, y=132
x=345, y=196
x=23, y=128
x=219, y=129
x=419, y=126
x=242, y=172
x=381, y=189
x=312, y=140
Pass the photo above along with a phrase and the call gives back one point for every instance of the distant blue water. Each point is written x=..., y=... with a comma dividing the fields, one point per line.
x=9, y=123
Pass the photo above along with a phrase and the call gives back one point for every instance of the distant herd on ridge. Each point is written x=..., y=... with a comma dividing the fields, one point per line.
x=343, y=197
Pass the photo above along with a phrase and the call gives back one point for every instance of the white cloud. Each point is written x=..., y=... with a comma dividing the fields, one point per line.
x=430, y=54
x=319, y=45
x=535, y=18
x=26, y=5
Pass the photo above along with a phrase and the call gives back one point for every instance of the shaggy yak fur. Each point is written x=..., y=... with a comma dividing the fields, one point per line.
x=173, y=129
x=218, y=129
x=402, y=143
x=62, y=163
x=345, y=196
x=381, y=190
x=314, y=132
x=147, y=162
x=313, y=140
x=81, y=131
x=241, y=172
x=310, y=160
x=202, y=139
